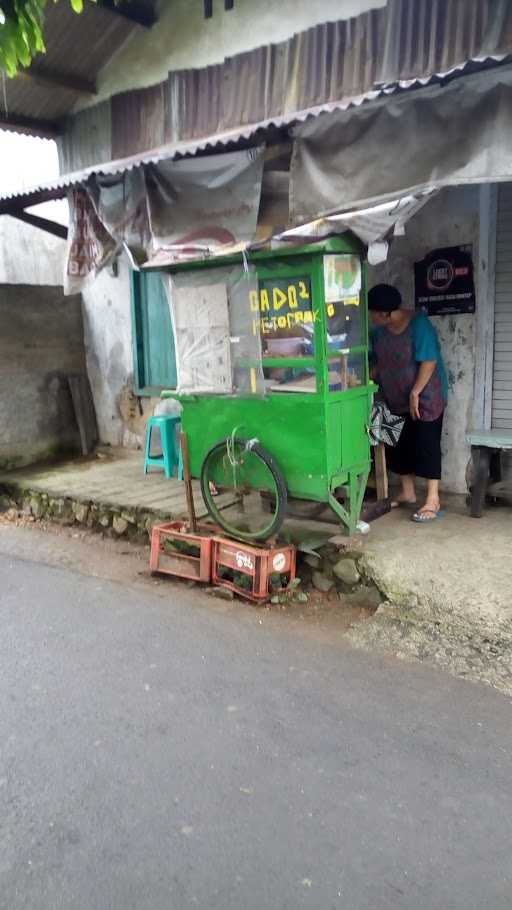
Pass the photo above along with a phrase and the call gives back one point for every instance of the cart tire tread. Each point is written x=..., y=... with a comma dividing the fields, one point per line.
x=282, y=495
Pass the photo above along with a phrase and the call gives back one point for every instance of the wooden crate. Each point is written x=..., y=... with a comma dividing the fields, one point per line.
x=165, y=556
x=257, y=564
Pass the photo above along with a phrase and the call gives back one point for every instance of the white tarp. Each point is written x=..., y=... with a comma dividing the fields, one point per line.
x=169, y=210
x=371, y=225
x=205, y=203
x=122, y=206
x=455, y=134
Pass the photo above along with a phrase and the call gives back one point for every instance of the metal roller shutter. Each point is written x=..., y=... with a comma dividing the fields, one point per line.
x=502, y=370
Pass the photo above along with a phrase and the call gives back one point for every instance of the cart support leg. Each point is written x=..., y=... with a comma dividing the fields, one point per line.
x=355, y=488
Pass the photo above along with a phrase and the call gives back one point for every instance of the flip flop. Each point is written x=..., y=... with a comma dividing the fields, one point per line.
x=404, y=504
x=425, y=516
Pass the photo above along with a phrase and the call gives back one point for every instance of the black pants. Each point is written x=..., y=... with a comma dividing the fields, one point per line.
x=418, y=450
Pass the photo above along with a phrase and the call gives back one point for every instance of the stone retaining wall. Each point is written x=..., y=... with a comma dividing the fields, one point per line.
x=134, y=524
x=334, y=570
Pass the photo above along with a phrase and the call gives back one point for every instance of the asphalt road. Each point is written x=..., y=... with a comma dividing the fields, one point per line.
x=159, y=754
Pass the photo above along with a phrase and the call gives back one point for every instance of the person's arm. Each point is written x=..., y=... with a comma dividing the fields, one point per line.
x=425, y=371
x=426, y=352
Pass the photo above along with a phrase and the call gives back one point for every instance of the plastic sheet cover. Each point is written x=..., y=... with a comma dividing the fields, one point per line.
x=452, y=135
x=217, y=350
x=90, y=246
x=204, y=203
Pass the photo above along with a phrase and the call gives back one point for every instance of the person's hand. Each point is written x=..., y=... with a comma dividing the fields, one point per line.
x=414, y=405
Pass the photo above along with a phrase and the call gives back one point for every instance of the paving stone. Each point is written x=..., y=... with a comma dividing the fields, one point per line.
x=311, y=560
x=37, y=506
x=120, y=524
x=346, y=571
x=322, y=582
x=81, y=512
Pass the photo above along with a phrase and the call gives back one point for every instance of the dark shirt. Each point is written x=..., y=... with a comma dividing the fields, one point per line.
x=398, y=358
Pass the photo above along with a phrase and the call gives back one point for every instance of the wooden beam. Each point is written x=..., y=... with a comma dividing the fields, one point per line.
x=44, y=224
x=138, y=13
x=53, y=79
x=27, y=200
x=16, y=123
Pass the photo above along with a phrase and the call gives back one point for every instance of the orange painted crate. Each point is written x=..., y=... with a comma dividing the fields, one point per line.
x=257, y=563
x=182, y=564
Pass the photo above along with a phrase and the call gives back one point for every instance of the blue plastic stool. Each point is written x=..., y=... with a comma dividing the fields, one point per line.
x=171, y=459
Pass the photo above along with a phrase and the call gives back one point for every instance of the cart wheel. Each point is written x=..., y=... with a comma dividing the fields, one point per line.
x=241, y=471
x=267, y=503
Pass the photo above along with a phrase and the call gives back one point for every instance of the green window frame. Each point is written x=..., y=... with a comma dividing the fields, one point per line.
x=154, y=351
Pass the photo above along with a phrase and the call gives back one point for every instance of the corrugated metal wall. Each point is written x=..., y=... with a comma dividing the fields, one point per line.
x=77, y=46
x=502, y=372
x=407, y=39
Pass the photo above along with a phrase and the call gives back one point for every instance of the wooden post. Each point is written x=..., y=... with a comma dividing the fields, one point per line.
x=84, y=412
x=381, y=474
x=188, y=482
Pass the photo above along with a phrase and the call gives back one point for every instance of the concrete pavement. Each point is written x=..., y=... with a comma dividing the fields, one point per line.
x=448, y=587
x=159, y=753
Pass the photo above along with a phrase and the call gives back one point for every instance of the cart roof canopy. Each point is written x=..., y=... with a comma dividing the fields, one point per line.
x=341, y=243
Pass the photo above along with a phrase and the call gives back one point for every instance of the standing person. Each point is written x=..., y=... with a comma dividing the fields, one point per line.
x=409, y=368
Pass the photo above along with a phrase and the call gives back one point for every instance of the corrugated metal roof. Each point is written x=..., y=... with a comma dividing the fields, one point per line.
x=76, y=47
x=405, y=43
x=402, y=41
x=434, y=36
x=57, y=189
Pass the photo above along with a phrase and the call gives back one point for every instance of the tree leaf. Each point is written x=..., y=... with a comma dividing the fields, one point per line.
x=21, y=31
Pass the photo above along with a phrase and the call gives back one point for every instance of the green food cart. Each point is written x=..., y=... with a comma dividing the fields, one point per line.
x=273, y=380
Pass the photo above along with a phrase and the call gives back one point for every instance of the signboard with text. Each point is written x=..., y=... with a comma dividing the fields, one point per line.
x=443, y=282
x=282, y=306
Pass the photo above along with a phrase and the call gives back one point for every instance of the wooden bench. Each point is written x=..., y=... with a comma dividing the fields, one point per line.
x=486, y=446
